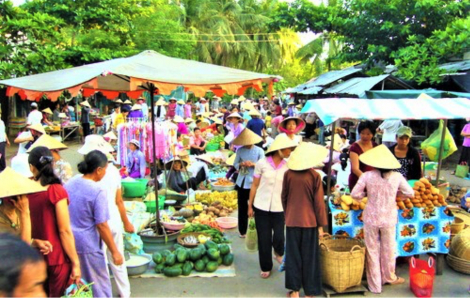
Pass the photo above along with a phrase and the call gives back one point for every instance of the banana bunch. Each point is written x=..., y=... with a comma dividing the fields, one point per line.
x=228, y=199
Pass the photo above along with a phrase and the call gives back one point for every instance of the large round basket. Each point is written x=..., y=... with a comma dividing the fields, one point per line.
x=458, y=264
x=181, y=237
x=460, y=245
x=342, y=262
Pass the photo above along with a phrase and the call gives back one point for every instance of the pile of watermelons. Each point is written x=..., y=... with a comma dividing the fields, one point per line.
x=182, y=261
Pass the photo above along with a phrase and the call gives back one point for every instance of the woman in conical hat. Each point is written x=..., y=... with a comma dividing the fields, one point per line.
x=305, y=217
x=265, y=202
x=291, y=126
x=380, y=214
x=235, y=126
x=247, y=156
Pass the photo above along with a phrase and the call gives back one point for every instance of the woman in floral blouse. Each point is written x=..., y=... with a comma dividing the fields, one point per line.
x=62, y=169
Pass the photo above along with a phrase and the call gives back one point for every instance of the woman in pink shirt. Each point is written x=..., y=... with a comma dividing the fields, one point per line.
x=465, y=156
x=380, y=215
x=188, y=110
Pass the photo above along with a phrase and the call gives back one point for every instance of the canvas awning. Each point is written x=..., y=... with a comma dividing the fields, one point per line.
x=129, y=74
x=331, y=109
x=398, y=94
x=356, y=86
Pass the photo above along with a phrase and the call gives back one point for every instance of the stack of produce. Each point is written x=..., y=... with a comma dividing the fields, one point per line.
x=456, y=194
x=426, y=195
x=182, y=261
x=228, y=199
x=214, y=233
x=209, y=214
x=346, y=202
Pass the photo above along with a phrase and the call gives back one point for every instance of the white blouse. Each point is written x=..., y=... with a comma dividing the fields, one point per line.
x=268, y=194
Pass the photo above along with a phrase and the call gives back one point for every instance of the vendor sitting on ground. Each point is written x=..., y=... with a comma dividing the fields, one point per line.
x=136, y=164
x=177, y=182
x=46, y=113
x=197, y=143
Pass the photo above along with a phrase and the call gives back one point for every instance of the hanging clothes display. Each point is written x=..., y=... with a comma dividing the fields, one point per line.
x=165, y=139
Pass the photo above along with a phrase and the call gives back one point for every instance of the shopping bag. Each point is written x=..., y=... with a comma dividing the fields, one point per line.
x=422, y=277
x=82, y=289
x=461, y=171
x=431, y=145
x=251, y=240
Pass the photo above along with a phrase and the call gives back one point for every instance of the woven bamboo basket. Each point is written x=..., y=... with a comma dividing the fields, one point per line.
x=342, y=262
x=458, y=264
x=457, y=225
x=460, y=246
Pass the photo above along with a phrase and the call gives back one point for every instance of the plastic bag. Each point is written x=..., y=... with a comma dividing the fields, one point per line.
x=422, y=277
x=431, y=145
x=461, y=171
x=79, y=290
x=133, y=243
x=251, y=240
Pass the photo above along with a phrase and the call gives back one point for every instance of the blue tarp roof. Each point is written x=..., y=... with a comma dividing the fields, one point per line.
x=397, y=94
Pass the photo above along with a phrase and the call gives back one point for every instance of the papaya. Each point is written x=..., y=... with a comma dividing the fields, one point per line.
x=177, y=246
x=219, y=260
x=170, y=260
x=210, y=244
x=187, y=268
x=203, y=249
x=228, y=259
x=157, y=257
x=165, y=253
x=195, y=254
x=205, y=259
x=213, y=254
x=224, y=249
x=159, y=268
x=172, y=271
x=199, y=266
x=181, y=255
x=212, y=266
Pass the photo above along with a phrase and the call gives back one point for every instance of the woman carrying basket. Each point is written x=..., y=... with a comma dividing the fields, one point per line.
x=380, y=215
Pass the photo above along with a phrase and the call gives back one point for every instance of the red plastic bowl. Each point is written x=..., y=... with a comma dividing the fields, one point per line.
x=227, y=222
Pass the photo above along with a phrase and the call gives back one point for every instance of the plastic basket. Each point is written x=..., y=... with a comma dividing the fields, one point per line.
x=151, y=204
x=134, y=189
x=212, y=147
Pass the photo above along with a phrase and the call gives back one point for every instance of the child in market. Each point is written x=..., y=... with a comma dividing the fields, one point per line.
x=380, y=214
x=267, y=119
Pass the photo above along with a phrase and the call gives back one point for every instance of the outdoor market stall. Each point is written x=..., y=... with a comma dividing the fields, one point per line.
x=428, y=221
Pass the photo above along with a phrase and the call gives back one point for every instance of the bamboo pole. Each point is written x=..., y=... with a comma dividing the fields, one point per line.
x=441, y=148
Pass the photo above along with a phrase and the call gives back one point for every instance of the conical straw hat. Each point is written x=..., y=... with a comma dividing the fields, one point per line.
x=136, y=107
x=234, y=115
x=110, y=135
x=206, y=114
x=13, y=184
x=234, y=102
x=188, y=120
x=37, y=127
x=48, y=111
x=47, y=141
x=254, y=112
x=178, y=119
x=62, y=115
x=95, y=142
x=216, y=120
x=205, y=157
x=128, y=102
x=230, y=161
x=380, y=157
x=85, y=104
x=241, y=98
x=180, y=102
x=248, y=106
x=176, y=158
x=247, y=137
x=300, y=123
x=118, y=101
x=282, y=141
x=161, y=102
x=307, y=156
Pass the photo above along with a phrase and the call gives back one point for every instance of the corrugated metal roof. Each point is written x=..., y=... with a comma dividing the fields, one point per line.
x=456, y=66
x=356, y=86
x=311, y=90
x=333, y=76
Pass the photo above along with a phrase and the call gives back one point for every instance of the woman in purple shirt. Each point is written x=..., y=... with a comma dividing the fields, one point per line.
x=89, y=215
x=136, y=164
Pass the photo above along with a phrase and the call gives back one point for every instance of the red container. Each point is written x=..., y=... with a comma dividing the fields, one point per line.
x=422, y=277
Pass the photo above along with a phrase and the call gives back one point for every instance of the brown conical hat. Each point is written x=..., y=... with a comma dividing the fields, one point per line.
x=14, y=184
x=47, y=141
x=247, y=137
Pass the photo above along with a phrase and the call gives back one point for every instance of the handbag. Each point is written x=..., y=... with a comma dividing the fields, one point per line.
x=462, y=170
x=80, y=289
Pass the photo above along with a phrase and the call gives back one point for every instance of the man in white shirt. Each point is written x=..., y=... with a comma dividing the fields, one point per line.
x=389, y=129
x=145, y=108
x=34, y=116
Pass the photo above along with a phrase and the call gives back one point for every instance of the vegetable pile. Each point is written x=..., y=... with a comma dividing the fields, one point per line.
x=182, y=261
x=216, y=235
x=228, y=199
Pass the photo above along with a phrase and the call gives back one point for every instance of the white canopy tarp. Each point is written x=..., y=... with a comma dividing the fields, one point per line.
x=331, y=109
x=128, y=74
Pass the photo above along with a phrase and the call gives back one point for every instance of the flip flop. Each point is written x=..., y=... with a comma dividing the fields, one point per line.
x=241, y=236
x=398, y=281
x=265, y=275
x=276, y=258
x=289, y=294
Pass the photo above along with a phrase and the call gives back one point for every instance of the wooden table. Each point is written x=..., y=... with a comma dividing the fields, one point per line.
x=71, y=127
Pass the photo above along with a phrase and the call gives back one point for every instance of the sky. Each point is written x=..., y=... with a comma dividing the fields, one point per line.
x=304, y=37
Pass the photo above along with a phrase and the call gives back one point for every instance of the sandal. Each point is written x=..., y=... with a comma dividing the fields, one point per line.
x=241, y=236
x=265, y=274
x=289, y=294
x=398, y=281
x=278, y=258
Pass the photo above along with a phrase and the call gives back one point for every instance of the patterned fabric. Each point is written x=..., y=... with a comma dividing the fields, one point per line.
x=404, y=167
x=63, y=170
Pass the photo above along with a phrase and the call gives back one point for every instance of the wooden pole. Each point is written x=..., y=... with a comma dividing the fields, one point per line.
x=441, y=148
x=328, y=183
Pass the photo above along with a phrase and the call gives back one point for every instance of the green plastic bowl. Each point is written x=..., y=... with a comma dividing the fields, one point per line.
x=212, y=147
x=151, y=204
x=135, y=188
